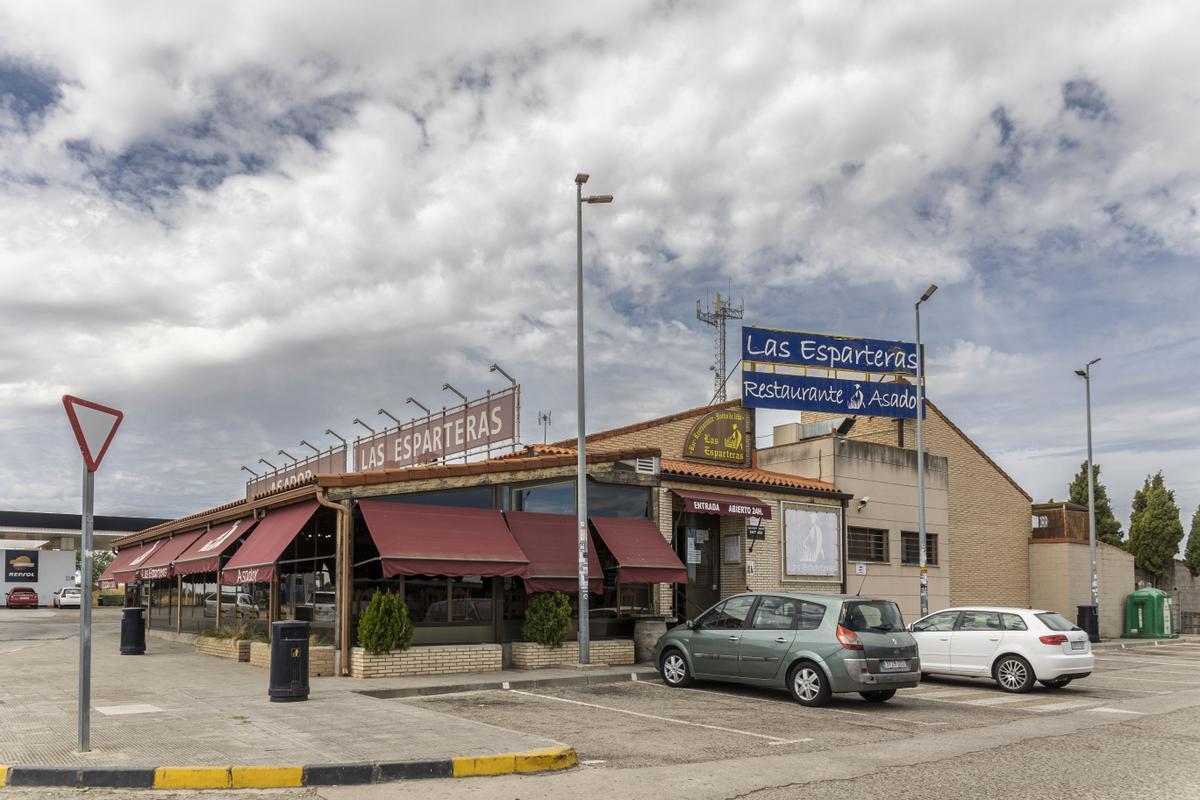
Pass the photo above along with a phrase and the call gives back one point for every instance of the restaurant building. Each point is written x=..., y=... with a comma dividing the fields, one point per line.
x=680, y=515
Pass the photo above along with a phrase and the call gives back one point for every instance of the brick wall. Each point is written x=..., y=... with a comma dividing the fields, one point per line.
x=320, y=659
x=531, y=655
x=989, y=517
x=233, y=649
x=426, y=660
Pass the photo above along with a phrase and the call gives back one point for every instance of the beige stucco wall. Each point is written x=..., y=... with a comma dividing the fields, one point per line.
x=888, y=476
x=988, y=515
x=1060, y=579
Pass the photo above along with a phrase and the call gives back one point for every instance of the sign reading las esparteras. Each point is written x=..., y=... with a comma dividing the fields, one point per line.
x=766, y=345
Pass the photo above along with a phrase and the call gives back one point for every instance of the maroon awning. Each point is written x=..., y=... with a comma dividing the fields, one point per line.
x=442, y=540
x=551, y=542
x=255, y=560
x=127, y=562
x=642, y=553
x=729, y=505
x=205, y=553
x=158, y=565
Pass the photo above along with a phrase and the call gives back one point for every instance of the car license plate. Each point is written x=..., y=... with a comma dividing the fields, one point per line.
x=1078, y=645
x=893, y=666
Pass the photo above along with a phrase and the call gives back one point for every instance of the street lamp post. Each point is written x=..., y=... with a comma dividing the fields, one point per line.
x=921, y=455
x=1093, y=632
x=581, y=456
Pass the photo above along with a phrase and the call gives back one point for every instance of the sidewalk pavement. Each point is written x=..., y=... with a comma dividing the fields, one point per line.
x=1125, y=644
x=173, y=706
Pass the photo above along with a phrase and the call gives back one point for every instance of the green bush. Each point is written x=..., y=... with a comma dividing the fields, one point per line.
x=232, y=630
x=548, y=620
x=384, y=626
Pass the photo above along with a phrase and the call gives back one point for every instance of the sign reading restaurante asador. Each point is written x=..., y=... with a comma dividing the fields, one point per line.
x=722, y=437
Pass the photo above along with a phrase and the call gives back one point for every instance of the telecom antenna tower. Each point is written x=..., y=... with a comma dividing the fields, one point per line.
x=720, y=312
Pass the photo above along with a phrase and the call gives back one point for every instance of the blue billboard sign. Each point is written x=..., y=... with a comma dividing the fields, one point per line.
x=766, y=345
x=834, y=395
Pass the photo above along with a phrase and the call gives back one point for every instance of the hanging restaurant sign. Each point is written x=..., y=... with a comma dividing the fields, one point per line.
x=332, y=460
x=722, y=437
x=844, y=353
x=477, y=425
x=836, y=396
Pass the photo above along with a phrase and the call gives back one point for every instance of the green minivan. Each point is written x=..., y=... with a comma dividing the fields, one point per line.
x=813, y=645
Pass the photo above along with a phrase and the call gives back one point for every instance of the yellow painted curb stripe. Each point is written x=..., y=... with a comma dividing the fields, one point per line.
x=192, y=778
x=3, y=776
x=551, y=758
x=267, y=777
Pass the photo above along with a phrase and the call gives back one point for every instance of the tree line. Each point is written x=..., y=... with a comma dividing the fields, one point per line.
x=1155, y=531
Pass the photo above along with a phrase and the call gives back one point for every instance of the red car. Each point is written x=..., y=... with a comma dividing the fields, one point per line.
x=21, y=597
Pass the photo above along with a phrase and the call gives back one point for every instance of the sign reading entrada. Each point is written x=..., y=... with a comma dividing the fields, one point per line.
x=769, y=346
x=486, y=422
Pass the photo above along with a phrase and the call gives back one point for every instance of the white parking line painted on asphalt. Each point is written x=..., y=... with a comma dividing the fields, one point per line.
x=1140, y=679
x=813, y=711
x=1107, y=710
x=774, y=739
x=995, y=701
x=938, y=695
x=1057, y=706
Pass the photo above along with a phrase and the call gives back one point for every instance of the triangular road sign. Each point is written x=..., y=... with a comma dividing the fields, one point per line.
x=94, y=426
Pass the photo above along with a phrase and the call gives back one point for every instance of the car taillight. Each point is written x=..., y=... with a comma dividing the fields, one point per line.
x=1055, y=638
x=848, y=638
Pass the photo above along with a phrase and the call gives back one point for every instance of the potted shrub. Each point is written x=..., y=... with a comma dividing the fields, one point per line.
x=547, y=626
x=384, y=633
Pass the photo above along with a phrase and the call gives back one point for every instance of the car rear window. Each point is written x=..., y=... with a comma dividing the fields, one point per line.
x=1055, y=621
x=872, y=615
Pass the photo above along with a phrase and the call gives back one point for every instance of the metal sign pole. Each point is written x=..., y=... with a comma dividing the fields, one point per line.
x=85, y=614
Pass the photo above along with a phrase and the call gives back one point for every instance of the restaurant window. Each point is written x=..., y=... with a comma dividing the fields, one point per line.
x=549, y=498
x=867, y=544
x=445, y=601
x=470, y=497
x=910, y=548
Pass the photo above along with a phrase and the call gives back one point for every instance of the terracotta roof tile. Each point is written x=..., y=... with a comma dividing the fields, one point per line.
x=760, y=477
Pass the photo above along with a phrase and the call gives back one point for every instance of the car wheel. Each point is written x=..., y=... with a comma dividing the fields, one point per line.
x=879, y=696
x=808, y=684
x=1013, y=674
x=1057, y=683
x=674, y=669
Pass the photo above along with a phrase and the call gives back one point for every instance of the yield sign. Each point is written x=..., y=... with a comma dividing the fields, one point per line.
x=94, y=426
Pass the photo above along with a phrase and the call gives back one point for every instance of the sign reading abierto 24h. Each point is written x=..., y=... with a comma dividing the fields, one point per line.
x=765, y=350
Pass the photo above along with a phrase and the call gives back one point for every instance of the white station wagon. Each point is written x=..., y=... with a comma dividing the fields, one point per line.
x=1013, y=646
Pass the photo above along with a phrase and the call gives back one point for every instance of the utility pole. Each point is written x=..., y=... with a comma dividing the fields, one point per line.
x=720, y=312
x=544, y=421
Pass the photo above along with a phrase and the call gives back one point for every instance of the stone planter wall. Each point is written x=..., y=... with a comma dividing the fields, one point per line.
x=531, y=655
x=426, y=660
x=320, y=659
x=233, y=649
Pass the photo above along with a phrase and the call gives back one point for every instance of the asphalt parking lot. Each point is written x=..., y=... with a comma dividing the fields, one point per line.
x=609, y=725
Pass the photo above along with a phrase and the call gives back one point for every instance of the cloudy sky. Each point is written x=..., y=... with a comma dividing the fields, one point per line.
x=245, y=223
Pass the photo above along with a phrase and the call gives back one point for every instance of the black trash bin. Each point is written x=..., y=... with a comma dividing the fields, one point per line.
x=133, y=631
x=1089, y=620
x=289, y=661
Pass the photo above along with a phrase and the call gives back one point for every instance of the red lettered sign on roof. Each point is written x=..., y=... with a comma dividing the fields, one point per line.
x=94, y=426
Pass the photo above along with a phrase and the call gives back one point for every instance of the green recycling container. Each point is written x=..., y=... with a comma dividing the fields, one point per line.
x=1148, y=615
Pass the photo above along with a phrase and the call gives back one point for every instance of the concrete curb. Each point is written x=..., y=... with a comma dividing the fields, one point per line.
x=274, y=776
x=634, y=673
x=1128, y=644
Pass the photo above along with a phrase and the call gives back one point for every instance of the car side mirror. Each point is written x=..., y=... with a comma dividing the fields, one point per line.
x=909, y=627
x=691, y=624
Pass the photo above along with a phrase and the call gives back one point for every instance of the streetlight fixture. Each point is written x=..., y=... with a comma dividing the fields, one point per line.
x=358, y=421
x=496, y=368
x=309, y=446
x=422, y=406
x=446, y=386
x=269, y=464
x=1093, y=627
x=581, y=456
x=329, y=432
x=286, y=454
x=921, y=454
x=252, y=472
x=383, y=412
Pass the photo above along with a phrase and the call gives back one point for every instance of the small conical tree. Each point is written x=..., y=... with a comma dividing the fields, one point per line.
x=548, y=620
x=384, y=625
x=1155, y=530
x=1108, y=529
x=1191, y=553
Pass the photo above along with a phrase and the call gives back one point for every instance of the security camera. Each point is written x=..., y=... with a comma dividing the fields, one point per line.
x=862, y=502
